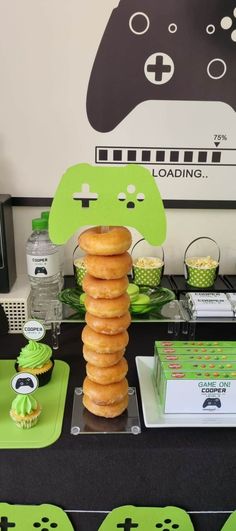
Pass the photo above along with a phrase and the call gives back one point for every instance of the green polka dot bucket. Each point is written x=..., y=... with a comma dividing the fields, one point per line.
x=80, y=272
x=201, y=271
x=148, y=270
x=79, y=269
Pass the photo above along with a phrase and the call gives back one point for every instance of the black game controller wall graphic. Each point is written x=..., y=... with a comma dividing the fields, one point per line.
x=41, y=270
x=154, y=50
x=212, y=402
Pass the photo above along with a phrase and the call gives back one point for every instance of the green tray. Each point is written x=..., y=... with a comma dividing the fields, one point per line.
x=52, y=398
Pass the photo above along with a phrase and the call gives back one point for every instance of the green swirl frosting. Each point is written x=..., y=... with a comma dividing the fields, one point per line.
x=24, y=404
x=34, y=355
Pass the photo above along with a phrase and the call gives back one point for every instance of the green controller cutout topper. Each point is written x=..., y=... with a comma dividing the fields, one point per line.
x=28, y=517
x=128, y=518
x=107, y=196
x=230, y=524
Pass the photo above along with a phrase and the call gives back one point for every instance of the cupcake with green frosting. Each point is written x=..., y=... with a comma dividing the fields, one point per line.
x=25, y=411
x=36, y=358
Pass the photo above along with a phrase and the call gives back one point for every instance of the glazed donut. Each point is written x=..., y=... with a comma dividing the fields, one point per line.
x=108, y=411
x=104, y=289
x=116, y=240
x=105, y=395
x=108, y=267
x=107, y=307
x=104, y=343
x=102, y=360
x=107, y=375
x=109, y=326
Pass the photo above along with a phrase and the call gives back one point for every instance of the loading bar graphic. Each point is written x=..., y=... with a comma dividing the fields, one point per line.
x=165, y=155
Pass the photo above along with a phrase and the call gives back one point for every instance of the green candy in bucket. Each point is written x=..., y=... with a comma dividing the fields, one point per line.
x=201, y=271
x=147, y=270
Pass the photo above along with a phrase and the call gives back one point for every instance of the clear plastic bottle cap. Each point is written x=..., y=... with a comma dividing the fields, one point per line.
x=39, y=224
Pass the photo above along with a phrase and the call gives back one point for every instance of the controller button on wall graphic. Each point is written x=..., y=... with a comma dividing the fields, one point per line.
x=159, y=68
x=172, y=28
x=210, y=29
x=139, y=23
x=216, y=68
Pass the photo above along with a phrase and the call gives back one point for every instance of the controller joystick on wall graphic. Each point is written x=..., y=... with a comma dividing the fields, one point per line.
x=170, y=51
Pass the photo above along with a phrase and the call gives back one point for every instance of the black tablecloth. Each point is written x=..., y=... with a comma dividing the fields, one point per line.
x=189, y=468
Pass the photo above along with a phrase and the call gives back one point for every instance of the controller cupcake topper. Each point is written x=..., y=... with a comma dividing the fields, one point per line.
x=89, y=195
x=24, y=383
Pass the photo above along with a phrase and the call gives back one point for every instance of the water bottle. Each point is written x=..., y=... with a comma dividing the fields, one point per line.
x=45, y=215
x=43, y=267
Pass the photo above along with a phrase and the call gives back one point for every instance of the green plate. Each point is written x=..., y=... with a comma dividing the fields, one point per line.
x=71, y=296
x=158, y=297
x=52, y=398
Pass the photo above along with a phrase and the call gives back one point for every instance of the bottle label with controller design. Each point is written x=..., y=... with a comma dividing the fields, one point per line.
x=43, y=266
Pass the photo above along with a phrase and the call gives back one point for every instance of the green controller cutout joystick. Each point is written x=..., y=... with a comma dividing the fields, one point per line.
x=128, y=518
x=28, y=517
x=97, y=195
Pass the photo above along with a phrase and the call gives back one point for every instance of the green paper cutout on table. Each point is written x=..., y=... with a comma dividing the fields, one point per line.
x=107, y=196
x=28, y=517
x=52, y=398
x=230, y=524
x=129, y=517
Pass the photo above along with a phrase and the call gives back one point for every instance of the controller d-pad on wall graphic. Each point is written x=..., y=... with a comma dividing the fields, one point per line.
x=184, y=51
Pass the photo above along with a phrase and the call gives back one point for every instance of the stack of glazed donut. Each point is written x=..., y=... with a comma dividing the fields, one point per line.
x=105, y=336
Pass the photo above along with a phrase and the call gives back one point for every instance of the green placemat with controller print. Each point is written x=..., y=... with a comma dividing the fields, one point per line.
x=52, y=398
x=28, y=517
x=129, y=517
x=230, y=524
